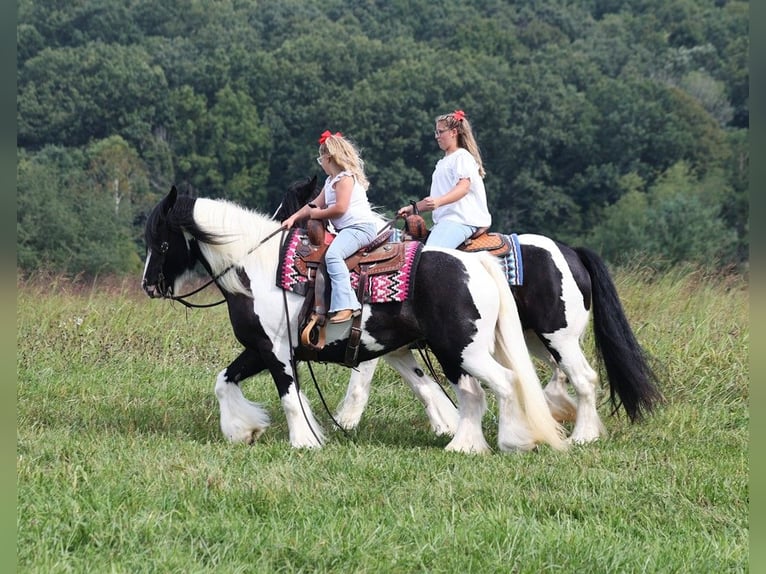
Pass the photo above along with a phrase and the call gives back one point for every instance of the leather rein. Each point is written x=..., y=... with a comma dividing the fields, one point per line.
x=215, y=278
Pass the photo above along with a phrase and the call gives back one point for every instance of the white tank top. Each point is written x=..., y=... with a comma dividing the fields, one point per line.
x=359, y=209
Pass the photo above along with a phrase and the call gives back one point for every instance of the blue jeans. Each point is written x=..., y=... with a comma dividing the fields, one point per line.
x=449, y=234
x=348, y=241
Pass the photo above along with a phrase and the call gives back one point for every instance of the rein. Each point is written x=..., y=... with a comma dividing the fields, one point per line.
x=294, y=367
x=214, y=279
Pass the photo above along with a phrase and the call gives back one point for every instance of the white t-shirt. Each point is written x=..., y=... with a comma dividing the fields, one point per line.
x=359, y=209
x=471, y=209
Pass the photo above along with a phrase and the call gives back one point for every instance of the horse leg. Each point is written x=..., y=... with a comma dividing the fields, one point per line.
x=471, y=407
x=351, y=408
x=241, y=420
x=514, y=432
x=588, y=426
x=303, y=428
x=563, y=408
x=440, y=410
x=305, y=431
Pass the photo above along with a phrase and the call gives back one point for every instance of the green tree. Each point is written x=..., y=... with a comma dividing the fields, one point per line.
x=62, y=224
x=73, y=95
x=222, y=150
x=678, y=220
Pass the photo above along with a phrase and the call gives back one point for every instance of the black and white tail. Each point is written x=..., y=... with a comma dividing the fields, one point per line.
x=632, y=382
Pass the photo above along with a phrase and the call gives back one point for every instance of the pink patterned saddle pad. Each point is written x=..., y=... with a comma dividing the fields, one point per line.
x=388, y=287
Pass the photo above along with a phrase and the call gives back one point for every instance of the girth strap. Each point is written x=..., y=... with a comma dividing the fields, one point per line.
x=355, y=336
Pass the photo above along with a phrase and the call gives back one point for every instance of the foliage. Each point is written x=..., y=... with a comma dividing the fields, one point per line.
x=73, y=219
x=677, y=221
x=226, y=99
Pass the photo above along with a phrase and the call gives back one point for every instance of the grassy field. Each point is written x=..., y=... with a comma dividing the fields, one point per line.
x=121, y=466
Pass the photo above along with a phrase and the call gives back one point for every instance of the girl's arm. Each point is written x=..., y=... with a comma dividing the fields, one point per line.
x=343, y=189
x=311, y=210
x=461, y=189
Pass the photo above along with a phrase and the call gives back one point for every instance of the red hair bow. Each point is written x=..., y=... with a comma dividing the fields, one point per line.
x=326, y=134
x=459, y=115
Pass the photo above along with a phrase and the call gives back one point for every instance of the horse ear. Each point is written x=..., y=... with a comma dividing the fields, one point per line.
x=170, y=200
x=308, y=189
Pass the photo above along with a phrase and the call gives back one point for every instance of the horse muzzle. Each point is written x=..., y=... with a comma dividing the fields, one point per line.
x=155, y=291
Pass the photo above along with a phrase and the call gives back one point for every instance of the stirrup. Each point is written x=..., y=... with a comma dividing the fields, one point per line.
x=313, y=334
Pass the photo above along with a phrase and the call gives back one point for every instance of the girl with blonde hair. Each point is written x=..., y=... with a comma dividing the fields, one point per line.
x=343, y=200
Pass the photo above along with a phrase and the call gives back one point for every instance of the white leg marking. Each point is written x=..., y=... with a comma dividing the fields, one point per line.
x=241, y=420
x=305, y=430
x=562, y=407
x=513, y=432
x=442, y=414
x=471, y=406
x=357, y=394
x=588, y=425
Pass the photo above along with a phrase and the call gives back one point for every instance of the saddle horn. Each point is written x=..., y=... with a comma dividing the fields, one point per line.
x=414, y=224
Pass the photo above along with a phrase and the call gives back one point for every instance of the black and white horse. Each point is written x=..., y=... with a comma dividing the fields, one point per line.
x=563, y=286
x=459, y=305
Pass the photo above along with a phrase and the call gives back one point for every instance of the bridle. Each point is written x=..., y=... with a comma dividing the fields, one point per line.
x=164, y=246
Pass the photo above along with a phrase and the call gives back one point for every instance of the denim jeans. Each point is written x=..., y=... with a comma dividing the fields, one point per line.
x=449, y=234
x=348, y=241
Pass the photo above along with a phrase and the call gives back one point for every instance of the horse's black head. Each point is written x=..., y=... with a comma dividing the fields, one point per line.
x=168, y=254
x=296, y=196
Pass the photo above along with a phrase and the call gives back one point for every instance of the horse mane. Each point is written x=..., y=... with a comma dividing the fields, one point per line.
x=230, y=235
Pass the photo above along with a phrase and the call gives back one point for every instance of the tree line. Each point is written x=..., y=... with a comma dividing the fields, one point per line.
x=621, y=125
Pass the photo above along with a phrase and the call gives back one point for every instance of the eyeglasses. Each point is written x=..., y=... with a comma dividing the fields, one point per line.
x=437, y=133
x=319, y=159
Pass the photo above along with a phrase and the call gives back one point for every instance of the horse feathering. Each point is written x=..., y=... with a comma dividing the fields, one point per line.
x=511, y=351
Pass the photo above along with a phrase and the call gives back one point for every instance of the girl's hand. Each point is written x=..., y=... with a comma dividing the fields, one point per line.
x=404, y=211
x=428, y=203
x=290, y=221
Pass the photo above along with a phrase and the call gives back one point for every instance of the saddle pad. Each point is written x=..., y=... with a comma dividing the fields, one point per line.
x=394, y=286
x=512, y=264
x=383, y=288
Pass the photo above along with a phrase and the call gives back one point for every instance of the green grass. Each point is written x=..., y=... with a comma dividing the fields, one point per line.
x=121, y=466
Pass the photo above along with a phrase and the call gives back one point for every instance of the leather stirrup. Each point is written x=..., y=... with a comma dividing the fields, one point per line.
x=313, y=335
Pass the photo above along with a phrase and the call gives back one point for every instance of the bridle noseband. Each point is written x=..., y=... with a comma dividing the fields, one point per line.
x=165, y=246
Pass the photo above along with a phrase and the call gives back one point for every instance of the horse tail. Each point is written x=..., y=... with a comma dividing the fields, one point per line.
x=632, y=381
x=511, y=351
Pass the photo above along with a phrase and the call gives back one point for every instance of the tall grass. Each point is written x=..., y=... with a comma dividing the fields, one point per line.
x=121, y=466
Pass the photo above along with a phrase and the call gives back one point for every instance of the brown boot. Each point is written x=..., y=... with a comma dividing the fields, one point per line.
x=343, y=315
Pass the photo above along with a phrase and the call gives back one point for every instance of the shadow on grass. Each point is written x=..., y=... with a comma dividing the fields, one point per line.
x=197, y=421
x=196, y=418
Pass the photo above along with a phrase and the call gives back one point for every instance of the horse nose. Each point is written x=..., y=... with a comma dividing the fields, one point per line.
x=148, y=289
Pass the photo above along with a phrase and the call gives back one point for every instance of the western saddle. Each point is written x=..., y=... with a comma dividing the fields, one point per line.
x=380, y=256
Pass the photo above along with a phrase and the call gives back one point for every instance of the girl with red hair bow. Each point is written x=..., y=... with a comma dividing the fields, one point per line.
x=458, y=198
x=343, y=200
